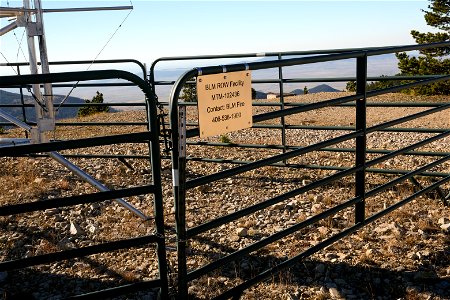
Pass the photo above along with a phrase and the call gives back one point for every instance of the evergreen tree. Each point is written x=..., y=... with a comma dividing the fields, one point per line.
x=189, y=92
x=90, y=110
x=430, y=61
x=374, y=85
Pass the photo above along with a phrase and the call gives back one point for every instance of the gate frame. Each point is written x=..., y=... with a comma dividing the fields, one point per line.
x=151, y=137
x=179, y=135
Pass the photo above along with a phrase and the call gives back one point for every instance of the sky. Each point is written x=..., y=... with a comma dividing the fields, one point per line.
x=154, y=29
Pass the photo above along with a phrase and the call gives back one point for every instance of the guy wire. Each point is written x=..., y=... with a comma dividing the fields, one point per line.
x=93, y=61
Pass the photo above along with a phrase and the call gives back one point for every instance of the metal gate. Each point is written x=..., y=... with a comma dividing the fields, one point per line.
x=154, y=222
x=191, y=189
x=194, y=225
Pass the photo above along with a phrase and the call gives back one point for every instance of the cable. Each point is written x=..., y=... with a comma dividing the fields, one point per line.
x=93, y=61
x=8, y=62
x=4, y=57
x=20, y=46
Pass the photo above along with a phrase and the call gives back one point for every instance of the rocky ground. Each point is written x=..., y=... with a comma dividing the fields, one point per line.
x=404, y=255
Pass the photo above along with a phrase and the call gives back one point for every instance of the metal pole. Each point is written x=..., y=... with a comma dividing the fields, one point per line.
x=49, y=115
x=15, y=121
x=33, y=65
x=282, y=119
x=177, y=115
x=12, y=11
x=44, y=118
x=24, y=113
x=8, y=28
x=89, y=179
x=155, y=162
x=180, y=211
x=360, y=160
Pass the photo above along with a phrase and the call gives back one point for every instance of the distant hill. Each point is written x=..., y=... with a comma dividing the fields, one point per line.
x=261, y=95
x=322, y=88
x=13, y=98
x=297, y=92
x=317, y=89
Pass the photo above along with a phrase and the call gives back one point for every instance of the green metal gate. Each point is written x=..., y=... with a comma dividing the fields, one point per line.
x=185, y=134
x=149, y=137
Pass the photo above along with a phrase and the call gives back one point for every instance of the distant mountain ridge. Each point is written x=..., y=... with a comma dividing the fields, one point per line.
x=322, y=88
x=13, y=98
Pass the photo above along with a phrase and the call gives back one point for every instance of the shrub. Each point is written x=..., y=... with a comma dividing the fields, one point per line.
x=189, y=92
x=224, y=139
x=88, y=110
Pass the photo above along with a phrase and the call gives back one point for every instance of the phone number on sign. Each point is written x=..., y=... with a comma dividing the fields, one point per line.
x=223, y=118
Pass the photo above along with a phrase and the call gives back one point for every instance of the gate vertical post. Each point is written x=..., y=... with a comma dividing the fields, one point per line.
x=181, y=213
x=360, y=159
x=282, y=120
x=179, y=188
x=178, y=134
x=155, y=161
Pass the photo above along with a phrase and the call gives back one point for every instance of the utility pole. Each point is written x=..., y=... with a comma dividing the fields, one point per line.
x=45, y=115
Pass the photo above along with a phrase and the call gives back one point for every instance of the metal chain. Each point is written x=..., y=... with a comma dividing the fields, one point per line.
x=164, y=132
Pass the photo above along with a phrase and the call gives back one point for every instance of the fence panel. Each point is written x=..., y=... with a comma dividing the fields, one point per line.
x=77, y=247
x=209, y=206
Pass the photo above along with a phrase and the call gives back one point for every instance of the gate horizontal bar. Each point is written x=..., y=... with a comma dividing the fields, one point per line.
x=407, y=118
x=62, y=124
x=237, y=290
x=333, y=168
x=293, y=110
x=259, y=206
x=277, y=147
x=80, y=104
x=251, y=209
x=75, y=253
x=74, y=200
x=120, y=290
x=83, y=62
x=283, y=233
x=334, y=128
x=267, y=161
x=75, y=144
x=407, y=175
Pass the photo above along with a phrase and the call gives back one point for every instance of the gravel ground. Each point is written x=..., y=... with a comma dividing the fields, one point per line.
x=404, y=255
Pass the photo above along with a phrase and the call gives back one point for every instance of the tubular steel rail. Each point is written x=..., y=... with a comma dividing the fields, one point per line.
x=17, y=67
x=283, y=103
x=361, y=166
x=150, y=137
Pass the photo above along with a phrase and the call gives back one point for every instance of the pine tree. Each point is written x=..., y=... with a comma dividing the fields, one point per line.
x=430, y=61
x=189, y=92
x=90, y=110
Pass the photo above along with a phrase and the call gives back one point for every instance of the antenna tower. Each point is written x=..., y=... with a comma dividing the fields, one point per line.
x=32, y=20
